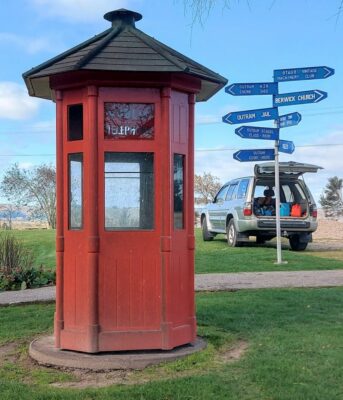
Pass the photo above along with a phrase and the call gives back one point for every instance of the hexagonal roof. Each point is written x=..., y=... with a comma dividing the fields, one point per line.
x=123, y=47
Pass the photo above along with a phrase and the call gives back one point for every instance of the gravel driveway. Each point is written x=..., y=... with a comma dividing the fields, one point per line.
x=211, y=282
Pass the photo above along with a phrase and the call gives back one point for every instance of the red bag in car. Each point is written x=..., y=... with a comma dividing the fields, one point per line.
x=296, y=210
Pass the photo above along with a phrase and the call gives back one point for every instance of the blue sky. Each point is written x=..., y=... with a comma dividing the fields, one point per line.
x=244, y=43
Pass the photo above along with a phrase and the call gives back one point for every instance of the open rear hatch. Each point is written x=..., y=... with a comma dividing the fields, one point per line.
x=290, y=169
x=294, y=202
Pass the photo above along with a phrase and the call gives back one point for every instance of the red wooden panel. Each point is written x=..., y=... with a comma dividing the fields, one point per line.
x=138, y=293
x=181, y=271
x=130, y=290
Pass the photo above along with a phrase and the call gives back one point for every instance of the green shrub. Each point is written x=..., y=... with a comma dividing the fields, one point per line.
x=16, y=266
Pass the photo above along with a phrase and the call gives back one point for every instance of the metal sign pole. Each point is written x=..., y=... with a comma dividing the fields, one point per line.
x=277, y=204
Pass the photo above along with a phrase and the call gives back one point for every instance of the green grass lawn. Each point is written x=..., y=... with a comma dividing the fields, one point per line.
x=41, y=242
x=217, y=256
x=295, y=351
x=213, y=256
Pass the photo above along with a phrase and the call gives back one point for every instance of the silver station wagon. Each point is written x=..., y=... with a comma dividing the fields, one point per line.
x=245, y=207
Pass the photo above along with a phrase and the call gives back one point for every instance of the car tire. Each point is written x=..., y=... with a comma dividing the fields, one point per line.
x=206, y=234
x=295, y=244
x=231, y=234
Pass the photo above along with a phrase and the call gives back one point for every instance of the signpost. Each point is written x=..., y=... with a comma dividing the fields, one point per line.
x=254, y=155
x=250, y=89
x=301, y=74
x=286, y=146
x=262, y=114
x=255, y=132
x=291, y=99
x=283, y=121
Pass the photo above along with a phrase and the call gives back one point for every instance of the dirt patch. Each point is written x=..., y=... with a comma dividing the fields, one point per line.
x=87, y=379
x=234, y=353
x=8, y=352
x=17, y=354
x=329, y=230
x=328, y=236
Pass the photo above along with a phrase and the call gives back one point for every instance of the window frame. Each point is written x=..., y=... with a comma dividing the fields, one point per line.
x=81, y=227
x=153, y=209
x=183, y=158
x=69, y=106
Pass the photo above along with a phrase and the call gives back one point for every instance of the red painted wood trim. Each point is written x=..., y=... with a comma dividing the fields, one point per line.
x=91, y=216
x=166, y=198
x=59, y=317
x=190, y=211
x=77, y=79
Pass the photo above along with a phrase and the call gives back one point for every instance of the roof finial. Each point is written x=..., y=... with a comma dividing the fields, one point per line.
x=123, y=17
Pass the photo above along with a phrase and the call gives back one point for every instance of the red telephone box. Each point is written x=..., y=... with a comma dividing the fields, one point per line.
x=125, y=169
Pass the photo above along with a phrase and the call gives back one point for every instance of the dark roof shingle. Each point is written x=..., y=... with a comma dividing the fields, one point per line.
x=123, y=48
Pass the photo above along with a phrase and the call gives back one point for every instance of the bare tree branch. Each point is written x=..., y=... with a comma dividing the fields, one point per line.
x=205, y=187
x=35, y=188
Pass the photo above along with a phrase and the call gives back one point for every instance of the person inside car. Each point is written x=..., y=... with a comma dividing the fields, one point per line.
x=266, y=205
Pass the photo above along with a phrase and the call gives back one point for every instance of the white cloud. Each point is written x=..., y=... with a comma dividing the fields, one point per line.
x=44, y=126
x=31, y=45
x=79, y=10
x=207, y=119
x=15, y=103
x=204, y=119
x=25, y=165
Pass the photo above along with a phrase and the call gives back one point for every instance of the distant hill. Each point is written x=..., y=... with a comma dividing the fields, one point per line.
x=17, y=213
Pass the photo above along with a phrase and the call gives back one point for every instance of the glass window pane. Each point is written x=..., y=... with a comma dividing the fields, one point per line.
x=230, y=192
x=287, y=194
x=129, y=121
x=75, y=122
x=179, y=191
x=220, y=196
x=129, y=190
x=234, y=192
x=75, y=191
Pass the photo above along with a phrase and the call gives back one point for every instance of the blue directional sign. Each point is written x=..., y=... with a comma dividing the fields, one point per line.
x=287, y=120
x=254, y=155
x=262, y=114
x=300, y=74
x=255, y=132
x=250, y=89
x=290, y=99
x=286, y=146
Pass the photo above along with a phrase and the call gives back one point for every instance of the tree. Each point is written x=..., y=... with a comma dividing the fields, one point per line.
x=331, y=200
x=205, y=187
x=8, y=211
x=200, y=9
x=35, y=188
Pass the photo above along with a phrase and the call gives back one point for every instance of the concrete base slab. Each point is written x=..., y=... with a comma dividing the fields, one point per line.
x=44, y=352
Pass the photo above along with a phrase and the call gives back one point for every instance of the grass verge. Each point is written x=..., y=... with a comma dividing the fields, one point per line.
x=295, y=352
x=217, y=256
x=213, y=256
x=42, y=244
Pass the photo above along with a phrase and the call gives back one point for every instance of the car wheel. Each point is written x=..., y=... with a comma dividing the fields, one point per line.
x=295, y=243
x=231, y=234
x=206, y=235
